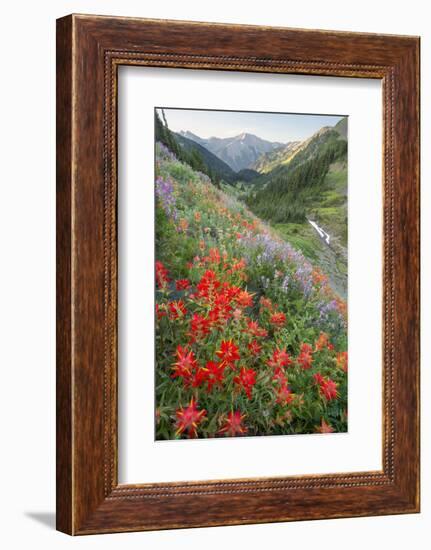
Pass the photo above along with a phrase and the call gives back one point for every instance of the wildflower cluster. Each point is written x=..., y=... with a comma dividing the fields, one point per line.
x=250, y=338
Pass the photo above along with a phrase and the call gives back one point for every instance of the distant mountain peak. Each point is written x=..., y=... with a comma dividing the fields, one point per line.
x=239, y=152
x=190, y=135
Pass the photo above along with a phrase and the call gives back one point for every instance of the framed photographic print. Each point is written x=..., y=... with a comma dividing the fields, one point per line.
x=237, y=274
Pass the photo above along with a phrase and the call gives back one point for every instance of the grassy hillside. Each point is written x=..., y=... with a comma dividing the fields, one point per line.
x=282, y=155
x=250, y=337
x=331, y=211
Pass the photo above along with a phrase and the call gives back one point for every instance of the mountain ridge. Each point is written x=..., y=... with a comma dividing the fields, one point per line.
x=212, y=161
x=238, y=152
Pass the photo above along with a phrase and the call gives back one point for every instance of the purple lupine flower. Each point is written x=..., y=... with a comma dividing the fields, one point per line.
x=330, y=316
x=272, y=250
x=163, y=152
x=303, y=275
x=285, y=283
x=165, y=194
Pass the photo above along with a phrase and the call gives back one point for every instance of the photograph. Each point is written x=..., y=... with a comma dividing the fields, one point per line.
x=251, y=273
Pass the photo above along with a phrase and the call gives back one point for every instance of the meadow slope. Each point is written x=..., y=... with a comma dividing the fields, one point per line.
x=250, y=337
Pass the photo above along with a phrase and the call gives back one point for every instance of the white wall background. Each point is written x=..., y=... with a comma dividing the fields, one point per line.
x=27, y=280
x=141, y=459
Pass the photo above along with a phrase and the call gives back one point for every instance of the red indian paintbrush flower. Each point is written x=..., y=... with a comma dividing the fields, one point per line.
x=188, y=419
x=215, y=374
x=266, y=303
x=277, y=319
x=246, y=380
x=324, y=428
x=342, y=360
x=216, y=319
x=237, y=266
x=237, y=314
x=199, y=327
x=284, y=394
x=244, y=299
x=323, y=342
x=182, y=284
x=280, y=358
x=220, y=313
x=183, y=225
x=228, y=352
x=177, y=309
x=306, y=348
x=185, y=364
x=327, y=387
x=160, y=311
x=318, y=277
x=214, y=256
x=199, y=377
x=255, y=330
x=233, y=425
x=279, y=375
x=318, y=378
x=208, y=285
x=162, y=278
x=305, y=357
x=229, y=292
x=254, y=347
x=222, y=304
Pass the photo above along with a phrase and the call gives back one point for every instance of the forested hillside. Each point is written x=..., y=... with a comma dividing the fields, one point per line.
x=289, y=191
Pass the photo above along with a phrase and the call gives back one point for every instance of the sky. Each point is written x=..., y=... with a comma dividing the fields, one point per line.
x=282, y=127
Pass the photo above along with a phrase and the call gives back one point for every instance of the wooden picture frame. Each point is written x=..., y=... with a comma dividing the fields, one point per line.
x=89, y=51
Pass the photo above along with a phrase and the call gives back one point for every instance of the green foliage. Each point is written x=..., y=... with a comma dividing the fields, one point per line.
x=169, y=242
x=247, y=175
x=302, y=237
